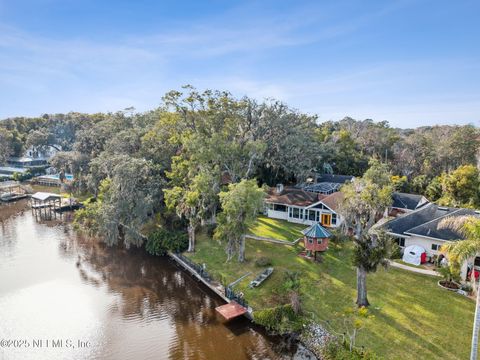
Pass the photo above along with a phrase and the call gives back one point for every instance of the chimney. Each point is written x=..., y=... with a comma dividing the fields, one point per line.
x=279, y=188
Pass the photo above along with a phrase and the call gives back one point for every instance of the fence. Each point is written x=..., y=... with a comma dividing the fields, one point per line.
x=229, y=292
x=238, y=297
x=198, y=268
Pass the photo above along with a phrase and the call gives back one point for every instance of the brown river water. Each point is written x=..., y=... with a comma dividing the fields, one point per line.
x=66, y=297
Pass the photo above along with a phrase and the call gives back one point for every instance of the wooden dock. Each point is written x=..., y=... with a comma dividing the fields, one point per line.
x=13, y=197
x=219, y=289
x=231, y=310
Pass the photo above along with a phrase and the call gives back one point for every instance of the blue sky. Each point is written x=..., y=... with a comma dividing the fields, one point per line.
x=411, y=62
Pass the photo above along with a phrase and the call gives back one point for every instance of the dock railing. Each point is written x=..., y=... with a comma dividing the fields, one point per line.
x=197, y=267
x=202, y=272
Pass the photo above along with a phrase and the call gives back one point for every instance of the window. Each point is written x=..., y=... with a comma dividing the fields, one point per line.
x=311, y=215
x=310, y=240
x=278, y=207
x=334, y=219
x=400, y=242
x=436, y=247
x=319, y=241
x=296, y=213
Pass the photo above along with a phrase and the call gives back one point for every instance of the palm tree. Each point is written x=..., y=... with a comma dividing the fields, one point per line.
x=458, y=252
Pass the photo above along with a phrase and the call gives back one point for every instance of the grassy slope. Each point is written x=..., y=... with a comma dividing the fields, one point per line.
x=276, y=229
x=413, y=317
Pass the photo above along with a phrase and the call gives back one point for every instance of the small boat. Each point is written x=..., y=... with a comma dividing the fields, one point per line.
x=261, y=278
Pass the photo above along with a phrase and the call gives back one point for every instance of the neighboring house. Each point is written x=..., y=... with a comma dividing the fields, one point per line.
x=7, y=171
x=33, y=157
x=405, y=203
x=327, y=183
x=303, y=207
x=421, y=227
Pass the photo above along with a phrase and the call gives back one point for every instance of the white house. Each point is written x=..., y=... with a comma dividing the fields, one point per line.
x=33, y=157
x=303, y=207
x=421, y=227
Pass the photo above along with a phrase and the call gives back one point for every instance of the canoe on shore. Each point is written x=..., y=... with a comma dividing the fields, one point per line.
x=261, y=278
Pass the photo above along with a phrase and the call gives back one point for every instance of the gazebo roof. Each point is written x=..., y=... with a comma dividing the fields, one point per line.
x=316, y=231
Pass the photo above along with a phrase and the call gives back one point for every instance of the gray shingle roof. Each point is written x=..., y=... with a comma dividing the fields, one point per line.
x=408, y=201
x=425, y=222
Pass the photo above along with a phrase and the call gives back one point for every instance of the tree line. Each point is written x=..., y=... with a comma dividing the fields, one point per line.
x=179, y=158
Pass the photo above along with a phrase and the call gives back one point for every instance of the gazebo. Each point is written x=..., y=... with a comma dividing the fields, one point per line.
x=315, y=239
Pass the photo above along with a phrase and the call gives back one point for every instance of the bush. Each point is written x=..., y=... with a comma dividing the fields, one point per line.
x=449, y=273
x=338, y=238
x=396, y=251
x=160, y=241
x=22, y=176
x=339, y=351
x=467, y=288
x=263, y=261
x=280, y=319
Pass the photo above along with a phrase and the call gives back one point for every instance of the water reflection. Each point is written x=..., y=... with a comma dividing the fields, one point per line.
x=126, y=303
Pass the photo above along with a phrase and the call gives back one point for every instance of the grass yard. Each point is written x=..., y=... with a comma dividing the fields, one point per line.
x=276, y=229
x=413, y=317
x=58, y=190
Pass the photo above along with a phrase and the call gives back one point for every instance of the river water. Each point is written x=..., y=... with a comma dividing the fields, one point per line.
x=66, y=297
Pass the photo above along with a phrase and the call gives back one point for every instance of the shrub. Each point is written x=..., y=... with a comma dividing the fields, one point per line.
x=396, y=251
x=280, y=319
x=449, y=273
x=467, y=288
x=338, y=238
x=263, y=261
x=160, y=241
x=335, y=350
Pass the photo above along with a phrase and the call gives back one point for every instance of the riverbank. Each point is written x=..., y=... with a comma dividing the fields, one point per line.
x=397, y=329
x=125, y=303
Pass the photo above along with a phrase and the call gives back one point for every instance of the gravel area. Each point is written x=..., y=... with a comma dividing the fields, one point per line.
x=315, y=337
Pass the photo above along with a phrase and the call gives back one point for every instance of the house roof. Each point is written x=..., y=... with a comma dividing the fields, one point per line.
x=316, y=231
x=333, y=200
x=408, y=201
x=293, y=196
x=425, y=222
x=324, y=187
x=332, y=178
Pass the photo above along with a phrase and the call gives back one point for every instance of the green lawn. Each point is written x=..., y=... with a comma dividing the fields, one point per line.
x=276, y=229
x=58, y=190
x=413, y=317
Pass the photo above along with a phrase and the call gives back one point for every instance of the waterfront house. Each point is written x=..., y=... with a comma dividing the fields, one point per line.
x=421, y=227
x=303, y=207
